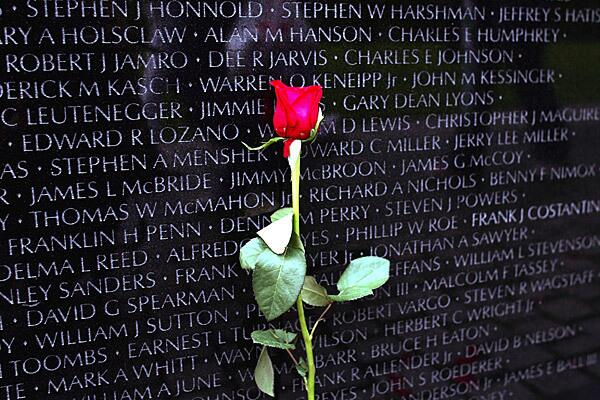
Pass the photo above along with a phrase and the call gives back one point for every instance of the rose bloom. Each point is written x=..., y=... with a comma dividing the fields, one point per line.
x=296, y=112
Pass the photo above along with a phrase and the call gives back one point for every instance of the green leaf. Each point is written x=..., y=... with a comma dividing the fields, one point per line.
x=266, y=144
x=277, y=234
x=264, y=374
x=278, y=279
x=302, y=368
x=250, y=252
x=277, y=338
x=351, y=294
x=370, y=272
x=282, y=212
x=361, y=277
x=313, y=293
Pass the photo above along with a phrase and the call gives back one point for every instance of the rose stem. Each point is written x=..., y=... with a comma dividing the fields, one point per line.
x=292, y=357
x=310, y=385
x=321, y=318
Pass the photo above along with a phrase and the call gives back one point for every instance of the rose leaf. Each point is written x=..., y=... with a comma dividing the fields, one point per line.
x=361, y=277
x=277, y=234
x=278, y=278
x=250, y=252
x=313, y=293
x=264, y=374
x=276, y=338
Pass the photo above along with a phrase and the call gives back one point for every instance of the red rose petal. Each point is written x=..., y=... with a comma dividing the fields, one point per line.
x=296, y=111
x=286, y=147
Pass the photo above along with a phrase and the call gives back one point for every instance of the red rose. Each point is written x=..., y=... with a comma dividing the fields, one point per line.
x=296, y=112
